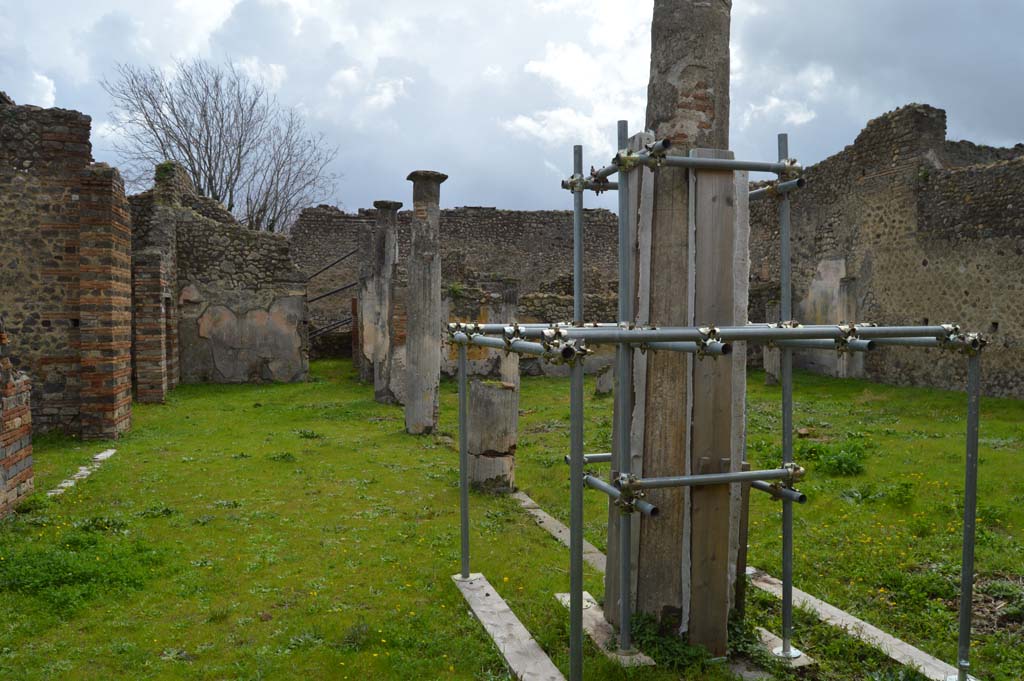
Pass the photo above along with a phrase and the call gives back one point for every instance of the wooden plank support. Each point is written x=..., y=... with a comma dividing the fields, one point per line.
x=523, y=655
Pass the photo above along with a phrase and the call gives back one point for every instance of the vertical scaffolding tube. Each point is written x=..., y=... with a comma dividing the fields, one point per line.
x=577, y=237
x=786, y=369
x=463, y=461
x=576, y=522
x=624, y=396
x=970, y=507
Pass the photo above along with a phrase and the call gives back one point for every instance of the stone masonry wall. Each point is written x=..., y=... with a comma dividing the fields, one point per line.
x=63, y=271
x=532, y=248
x=232, y=296
x=906, y=227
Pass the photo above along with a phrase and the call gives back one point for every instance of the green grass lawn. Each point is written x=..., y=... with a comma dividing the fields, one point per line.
x=246, y=532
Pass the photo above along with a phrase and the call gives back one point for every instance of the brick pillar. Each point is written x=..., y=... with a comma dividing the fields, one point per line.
x=149, y=283
x=105, y=304
x=16, y=477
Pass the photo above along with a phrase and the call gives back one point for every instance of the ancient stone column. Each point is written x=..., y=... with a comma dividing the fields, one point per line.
x=423, y=305
x=367, y=298
x=772, y=355
x=508, y=365
x=688, y=102
x=385, y=255
x=492, y=433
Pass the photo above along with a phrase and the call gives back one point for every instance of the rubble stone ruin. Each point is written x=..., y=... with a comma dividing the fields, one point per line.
x=107, y=297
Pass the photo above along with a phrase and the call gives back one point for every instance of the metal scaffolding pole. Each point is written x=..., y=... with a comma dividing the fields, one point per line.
x=576, y=522
x=463, y=461
x=624, y=395
x=786, y=304
x=970, y=508
x=577, y=236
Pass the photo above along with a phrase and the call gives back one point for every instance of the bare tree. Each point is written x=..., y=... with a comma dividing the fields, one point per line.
x=239, y=145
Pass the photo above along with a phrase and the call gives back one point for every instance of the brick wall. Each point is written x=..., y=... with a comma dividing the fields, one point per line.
x=63, y=227
x=16, y=477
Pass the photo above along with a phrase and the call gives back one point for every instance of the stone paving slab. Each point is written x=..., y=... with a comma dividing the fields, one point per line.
x=602, y=634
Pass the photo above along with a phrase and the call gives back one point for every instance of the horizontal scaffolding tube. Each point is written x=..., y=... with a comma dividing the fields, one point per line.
x=851, y=345
x=731, y=333
x=709, y=348
x=711, y=479
x=777, y=189
x=594, y=458
x=971, y=342
x=593, y=185
x=600, y=485
x=876, y=332
x=564, y=352
x=780, y=492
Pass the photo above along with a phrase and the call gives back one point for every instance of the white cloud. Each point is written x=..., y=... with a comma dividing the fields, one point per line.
x=385, y=93
x=272, y=75
x=43, y=91
x=790, y=99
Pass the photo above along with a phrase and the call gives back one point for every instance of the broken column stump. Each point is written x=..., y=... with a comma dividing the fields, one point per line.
x=423, y=305
x=493, y=429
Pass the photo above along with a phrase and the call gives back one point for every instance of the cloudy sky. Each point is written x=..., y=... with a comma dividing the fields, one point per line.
x=494, y=93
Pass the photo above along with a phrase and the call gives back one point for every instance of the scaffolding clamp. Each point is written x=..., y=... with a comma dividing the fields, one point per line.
x=796, y=472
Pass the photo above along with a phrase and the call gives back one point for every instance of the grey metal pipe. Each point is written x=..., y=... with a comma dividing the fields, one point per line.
x=600, y=485
x=779, y=492
x=562, y=352
x=605, y=457
x=577, y=238
x=786, y=369
x=777, y=189
x=970, y=518
x=709, y=348
x=811, y=344
x=710, y=479
x=595, y=186
x=605, y=172
x=658, y=148
x=624, y=396
x=576, y=522
x=881, y=332
x=973, y=342
x=752, y=332
x=463, y=462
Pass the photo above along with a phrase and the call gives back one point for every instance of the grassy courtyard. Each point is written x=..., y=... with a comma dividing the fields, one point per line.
x=288, y=531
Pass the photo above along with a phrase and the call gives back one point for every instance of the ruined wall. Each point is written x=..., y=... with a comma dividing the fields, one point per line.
x=533, y=248
x=905, y=227
x=218, y=302
x=16, y=476
x=64, y=271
